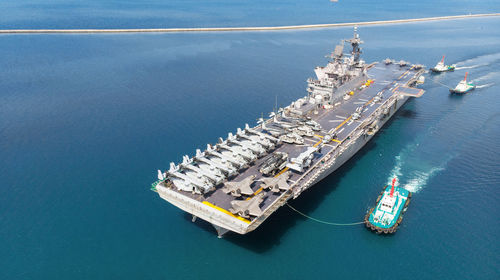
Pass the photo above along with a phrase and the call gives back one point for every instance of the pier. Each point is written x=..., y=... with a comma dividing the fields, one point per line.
x=243, y=29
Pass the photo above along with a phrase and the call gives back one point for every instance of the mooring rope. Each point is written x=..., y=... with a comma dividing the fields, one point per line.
x=323, y=222
x=441, y=84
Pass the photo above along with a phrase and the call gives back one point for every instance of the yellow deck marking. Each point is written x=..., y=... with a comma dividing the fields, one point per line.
x=394, y=90
x=257, y=191
x=254, y=194
x=260, y=189
x=317, y=143
x=226, y=212
x=281, y=172
x=369, y=101
x=340, y=125
x=336, y=140
x=403, y=74
x=318, y=135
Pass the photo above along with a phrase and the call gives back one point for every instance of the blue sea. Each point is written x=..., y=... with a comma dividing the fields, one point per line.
x=86, y=120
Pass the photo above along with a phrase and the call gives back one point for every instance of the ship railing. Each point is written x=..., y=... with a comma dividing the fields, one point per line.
x=328, y=160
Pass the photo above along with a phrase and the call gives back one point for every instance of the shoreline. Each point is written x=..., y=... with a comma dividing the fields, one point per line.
x=239, y=29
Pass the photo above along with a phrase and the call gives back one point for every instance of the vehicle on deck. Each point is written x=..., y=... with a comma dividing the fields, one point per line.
x=274, y=164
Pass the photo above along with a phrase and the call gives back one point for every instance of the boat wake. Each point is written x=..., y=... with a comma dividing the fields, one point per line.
x=418, y=170
x=488, y=77
x=471, y=67
x=479, y=61
x=430, y=151
x=419, y=179
x=485, y=86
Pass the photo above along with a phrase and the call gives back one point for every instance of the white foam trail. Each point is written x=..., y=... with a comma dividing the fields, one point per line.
x=420, y=169
x=419, y=179
x=471, y=67
x=490, y=76
x=484, y=86
x=483, y=60
x=396, y=170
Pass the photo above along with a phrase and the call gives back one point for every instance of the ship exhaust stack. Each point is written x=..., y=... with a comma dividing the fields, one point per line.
x=392, y=188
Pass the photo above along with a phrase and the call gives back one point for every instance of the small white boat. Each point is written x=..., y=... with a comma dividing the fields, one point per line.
x=441, y=67
x=463, y=86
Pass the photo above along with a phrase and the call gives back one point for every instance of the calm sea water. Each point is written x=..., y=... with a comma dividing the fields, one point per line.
x=209, y=13
x=86, y=120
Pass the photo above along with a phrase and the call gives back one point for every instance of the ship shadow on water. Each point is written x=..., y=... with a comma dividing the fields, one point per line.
x=270, y=232
x=408, y=114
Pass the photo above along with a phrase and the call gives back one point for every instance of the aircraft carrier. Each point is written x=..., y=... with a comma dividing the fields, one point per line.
x=240, y=181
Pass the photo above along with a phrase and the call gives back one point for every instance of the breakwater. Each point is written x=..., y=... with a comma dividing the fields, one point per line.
x=242, y=29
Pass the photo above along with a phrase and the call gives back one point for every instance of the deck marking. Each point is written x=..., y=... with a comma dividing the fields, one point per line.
x=370, y=101
x=317, y=143
x=346, y=120
x=282, y=171
x=335, y=140
x=260, y=189
x=255, y=193
x=403, y=74
x=318, y=135
x=225, y=211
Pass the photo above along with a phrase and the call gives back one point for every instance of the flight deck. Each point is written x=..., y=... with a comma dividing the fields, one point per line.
x=345, y=107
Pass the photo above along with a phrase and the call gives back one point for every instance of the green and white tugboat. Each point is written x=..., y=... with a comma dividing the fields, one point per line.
x=388, y=214
x=441, y=67
x=463, y=86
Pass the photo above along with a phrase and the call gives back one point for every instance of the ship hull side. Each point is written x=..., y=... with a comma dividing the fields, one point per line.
x=358, y=144
x=340, y=160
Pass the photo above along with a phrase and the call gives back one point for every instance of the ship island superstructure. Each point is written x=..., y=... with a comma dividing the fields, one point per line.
x=232, y=184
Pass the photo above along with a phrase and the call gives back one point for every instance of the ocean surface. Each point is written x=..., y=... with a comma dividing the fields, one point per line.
x=86, y=120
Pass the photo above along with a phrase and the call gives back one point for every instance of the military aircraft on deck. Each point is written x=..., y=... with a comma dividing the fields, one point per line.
x=276, y=184
x=247, y=208
x=238, y=188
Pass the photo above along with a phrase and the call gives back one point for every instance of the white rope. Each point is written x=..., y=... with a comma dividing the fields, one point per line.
x=441, y=84
x=323, y=222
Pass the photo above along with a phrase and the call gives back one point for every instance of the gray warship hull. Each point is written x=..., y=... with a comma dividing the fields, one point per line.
x=348, y=121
